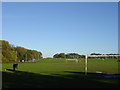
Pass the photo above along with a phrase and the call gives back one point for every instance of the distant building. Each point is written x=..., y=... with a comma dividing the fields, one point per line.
x=104, y=56
x=73, y=56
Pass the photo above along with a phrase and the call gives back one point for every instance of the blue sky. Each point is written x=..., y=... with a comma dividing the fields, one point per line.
x=79, y=27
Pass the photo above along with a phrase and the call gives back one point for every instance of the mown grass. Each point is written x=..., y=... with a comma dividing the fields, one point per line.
x=48, y=73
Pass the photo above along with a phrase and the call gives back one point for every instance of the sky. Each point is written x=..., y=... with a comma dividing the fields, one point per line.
x=60, y=0
x=62, y=27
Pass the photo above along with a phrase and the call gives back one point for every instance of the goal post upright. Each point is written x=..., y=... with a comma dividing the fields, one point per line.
x=76, y=60
x=86, y=68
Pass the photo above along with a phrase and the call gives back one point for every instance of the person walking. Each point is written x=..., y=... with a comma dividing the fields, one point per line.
x=15, y=65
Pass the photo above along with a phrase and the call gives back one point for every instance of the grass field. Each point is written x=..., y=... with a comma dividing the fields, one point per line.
x=56, y=73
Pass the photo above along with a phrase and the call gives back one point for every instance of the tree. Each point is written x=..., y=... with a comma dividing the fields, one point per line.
x=10, y=53
x=69, y=55
x=60, y=55
x=55, y=56
x=20, y=51
x=72, y=55
x=96, y=54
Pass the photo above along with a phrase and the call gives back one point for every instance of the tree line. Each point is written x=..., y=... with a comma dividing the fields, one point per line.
x=69, y=55
x=10, y=53
x=77, y=56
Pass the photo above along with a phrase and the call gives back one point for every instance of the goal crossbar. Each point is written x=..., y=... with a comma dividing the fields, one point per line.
x=72, y=60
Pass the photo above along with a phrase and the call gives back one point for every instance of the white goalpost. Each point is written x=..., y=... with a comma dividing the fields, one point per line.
x=72, y=60
x=86, y=68
x=86, y=62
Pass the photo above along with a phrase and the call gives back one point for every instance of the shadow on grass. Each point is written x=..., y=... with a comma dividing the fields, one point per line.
x=13, y=70
x=22, y=79
x=94, y=75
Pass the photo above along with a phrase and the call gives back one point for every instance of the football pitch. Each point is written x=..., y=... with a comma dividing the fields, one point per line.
x=57, y=73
